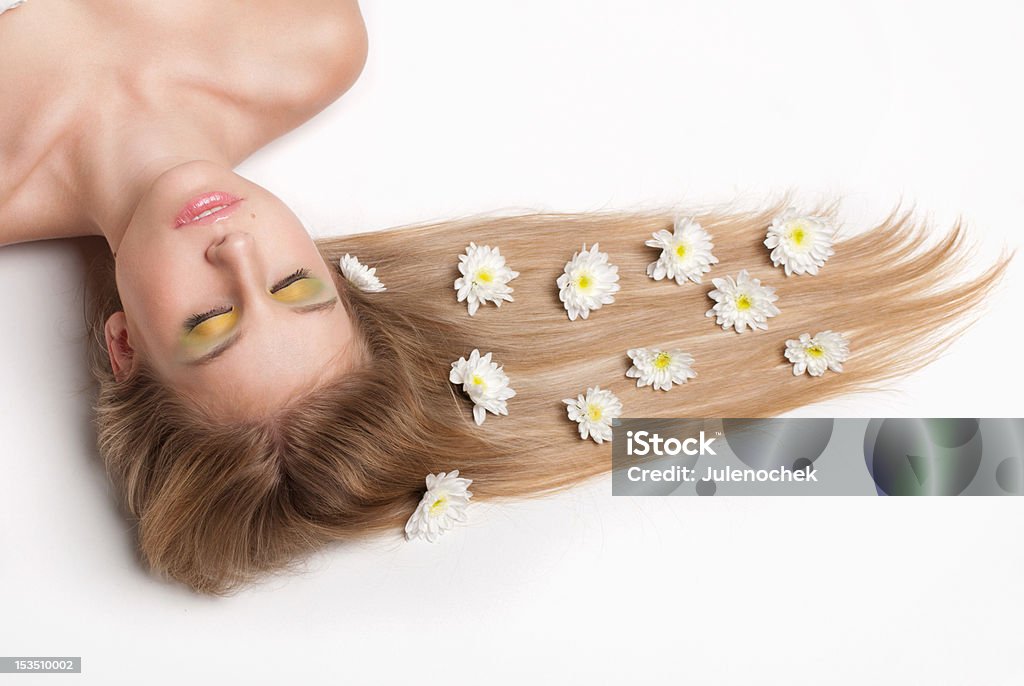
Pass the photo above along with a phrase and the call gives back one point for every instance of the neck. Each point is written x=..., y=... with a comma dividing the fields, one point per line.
x=118, y=156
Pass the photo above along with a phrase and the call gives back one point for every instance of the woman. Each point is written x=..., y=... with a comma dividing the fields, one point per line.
x=332, y=403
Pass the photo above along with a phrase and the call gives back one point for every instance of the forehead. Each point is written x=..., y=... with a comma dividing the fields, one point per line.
x=245, y=394
x=272, y=362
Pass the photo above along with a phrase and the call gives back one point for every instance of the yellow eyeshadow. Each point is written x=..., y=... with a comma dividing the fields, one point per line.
x=215, y=326
x=300, y=290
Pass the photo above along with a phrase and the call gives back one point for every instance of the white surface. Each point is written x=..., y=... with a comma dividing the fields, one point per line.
x=9, y=4
x=564, y=105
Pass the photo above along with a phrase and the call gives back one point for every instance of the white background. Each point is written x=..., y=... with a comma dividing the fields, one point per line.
x=468, y=107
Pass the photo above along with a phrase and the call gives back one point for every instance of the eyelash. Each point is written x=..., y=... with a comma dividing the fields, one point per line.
x=197, y=319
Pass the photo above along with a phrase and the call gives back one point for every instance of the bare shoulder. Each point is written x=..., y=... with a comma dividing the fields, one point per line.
x=344, y=42
x=309, y=54
x=327, y=38
x=262, y=52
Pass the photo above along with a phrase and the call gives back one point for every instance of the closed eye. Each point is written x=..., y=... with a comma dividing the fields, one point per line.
x=232, y=340
x=292, y=295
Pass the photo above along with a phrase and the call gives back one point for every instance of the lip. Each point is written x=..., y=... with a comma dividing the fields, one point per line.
x=199, y=204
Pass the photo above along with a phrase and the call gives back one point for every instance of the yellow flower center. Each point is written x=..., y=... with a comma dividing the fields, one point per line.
x=477, y=380
x=594, y=412
x=680, y=250
x=484, y=276
x=798, y=233
x=439, y=505
x=584, y=282
x=743, y=303
x=815, y=351
x=662, y=360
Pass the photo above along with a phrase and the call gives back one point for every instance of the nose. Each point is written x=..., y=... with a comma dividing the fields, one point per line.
x=235, y=252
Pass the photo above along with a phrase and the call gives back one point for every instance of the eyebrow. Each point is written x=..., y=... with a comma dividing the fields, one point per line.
x=235, y=337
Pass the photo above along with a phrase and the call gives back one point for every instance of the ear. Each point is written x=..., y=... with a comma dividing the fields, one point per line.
x=122, y=355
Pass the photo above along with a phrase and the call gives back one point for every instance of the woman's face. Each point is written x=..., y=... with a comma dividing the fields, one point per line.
x=250, y=279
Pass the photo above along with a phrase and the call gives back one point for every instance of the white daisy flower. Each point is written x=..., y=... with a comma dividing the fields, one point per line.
x=827, y=350
x=442, y=506
x=660, y=368
x=800, y=243
x=484, y=382
x=588, y=282
x=685, y=253
x=594, y=413
x=484, y=277
x=361, y=277
x=742, y=302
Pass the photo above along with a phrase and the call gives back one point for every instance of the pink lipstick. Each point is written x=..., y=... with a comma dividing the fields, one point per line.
x=207, y=208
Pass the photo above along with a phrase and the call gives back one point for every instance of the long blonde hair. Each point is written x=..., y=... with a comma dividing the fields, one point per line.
x=220, y=504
